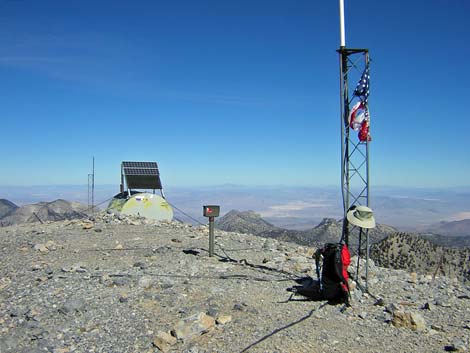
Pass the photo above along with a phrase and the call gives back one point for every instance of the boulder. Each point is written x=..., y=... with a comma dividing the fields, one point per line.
x=409, y=320
x=163, y=341
x=223, y=319
x=194, y=326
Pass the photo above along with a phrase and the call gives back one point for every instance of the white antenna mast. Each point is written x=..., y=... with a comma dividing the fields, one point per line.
x=341, y=24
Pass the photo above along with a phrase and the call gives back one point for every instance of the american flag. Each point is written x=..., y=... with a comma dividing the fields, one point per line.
x=362, y=88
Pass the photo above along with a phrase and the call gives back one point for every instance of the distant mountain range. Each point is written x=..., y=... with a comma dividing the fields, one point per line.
x=328, y=230
x=57, y=210
x=453, y=228
x=290, y=207
x=450, y=234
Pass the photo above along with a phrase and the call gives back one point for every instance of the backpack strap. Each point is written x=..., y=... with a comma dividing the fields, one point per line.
x=318, y=264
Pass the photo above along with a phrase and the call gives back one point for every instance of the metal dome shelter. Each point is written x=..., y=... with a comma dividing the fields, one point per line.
x=141, y=175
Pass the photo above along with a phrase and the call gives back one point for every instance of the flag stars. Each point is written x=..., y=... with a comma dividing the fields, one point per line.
x=362, y=88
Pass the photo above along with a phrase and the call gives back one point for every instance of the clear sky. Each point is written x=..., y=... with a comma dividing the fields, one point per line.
x=243, y=92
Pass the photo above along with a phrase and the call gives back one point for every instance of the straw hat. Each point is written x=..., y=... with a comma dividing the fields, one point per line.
x=361, y=216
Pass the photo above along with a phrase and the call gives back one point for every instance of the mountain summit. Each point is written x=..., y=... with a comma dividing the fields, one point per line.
x=57, y=210
x=247, y=222
x=6, y=207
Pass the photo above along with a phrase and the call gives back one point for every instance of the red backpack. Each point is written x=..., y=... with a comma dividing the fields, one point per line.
x=332, y=263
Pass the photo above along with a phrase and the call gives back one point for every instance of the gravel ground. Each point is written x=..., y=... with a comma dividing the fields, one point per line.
x=127, y=285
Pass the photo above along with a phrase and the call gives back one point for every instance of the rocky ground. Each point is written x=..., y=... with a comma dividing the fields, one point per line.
x=128, y=285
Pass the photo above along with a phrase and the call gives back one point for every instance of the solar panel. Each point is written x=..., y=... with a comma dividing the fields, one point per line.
x=141, y=175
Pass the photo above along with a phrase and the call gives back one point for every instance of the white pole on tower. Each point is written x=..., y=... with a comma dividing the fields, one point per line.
x=341, y=24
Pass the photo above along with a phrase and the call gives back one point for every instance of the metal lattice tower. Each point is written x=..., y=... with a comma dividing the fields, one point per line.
x=354, y=150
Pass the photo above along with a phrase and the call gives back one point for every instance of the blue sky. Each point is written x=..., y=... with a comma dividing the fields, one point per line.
x=243, y=92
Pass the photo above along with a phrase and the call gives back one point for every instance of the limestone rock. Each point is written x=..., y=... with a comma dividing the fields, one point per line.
x=87, y=225
x=4, y=282
x=124, y=297
x=146, y=282
x=163, y=341
x=457, y=346
x=413, y=277
x=193, y=327
x=50, y=245
x=223, y=319
x=408, y=319
x=41, y=248
x=73, y=305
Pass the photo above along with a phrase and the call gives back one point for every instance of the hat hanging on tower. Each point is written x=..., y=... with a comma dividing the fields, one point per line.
x=361, y=216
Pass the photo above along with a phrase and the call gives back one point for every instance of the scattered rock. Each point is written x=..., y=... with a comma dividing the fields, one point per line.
x=4, y=282
x=124, y=298
x=163, y=341
x=162, y=250
x=437, y=328
x=146, y=282
x=392, y=307
x=73, y=305
x=212, y=312
x=457, y=345
x=444, y=302
x=41, y=248
x=49, y=271
x=141, y=265
x=85, y=297
x=379, y=302
x=269, y=244
x=120, y=281
x=413, y=277
x=223, y=319
x=426, y=306
x=238, y=307
x=408, y=319
x=87, y=225
x=193, y=327
x=166, y=283
x=50, y=245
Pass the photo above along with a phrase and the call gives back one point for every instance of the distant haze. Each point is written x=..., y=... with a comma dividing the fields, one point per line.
x=290, y=207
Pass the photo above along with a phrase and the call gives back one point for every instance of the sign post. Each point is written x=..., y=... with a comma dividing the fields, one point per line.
x=211, y=212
